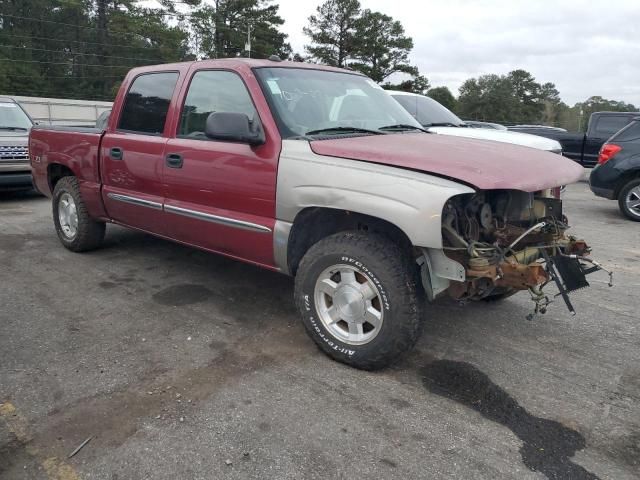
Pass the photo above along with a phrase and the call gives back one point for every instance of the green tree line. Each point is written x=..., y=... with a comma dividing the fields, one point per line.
x=83, y=48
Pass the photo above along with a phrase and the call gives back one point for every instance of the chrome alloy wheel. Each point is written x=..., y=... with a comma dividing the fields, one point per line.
x=632, y=200
x=348, y=304
x=68, y=216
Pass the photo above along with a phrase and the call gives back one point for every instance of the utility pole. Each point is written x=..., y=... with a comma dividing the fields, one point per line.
x=102, y=25
x=247, y=46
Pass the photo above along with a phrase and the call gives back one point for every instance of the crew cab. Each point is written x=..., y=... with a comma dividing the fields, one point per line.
x=316, y=172
x=15, y=123
x=437, y=118
x=584, y=148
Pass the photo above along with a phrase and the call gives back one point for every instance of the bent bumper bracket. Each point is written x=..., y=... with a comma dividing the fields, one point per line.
x=569, y=274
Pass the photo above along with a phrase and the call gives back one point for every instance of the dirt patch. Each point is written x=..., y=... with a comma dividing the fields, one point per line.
x=111, y=419
x=398, y=403
x=388, y=463
x=12, y=242
x=547, y=444
x=180, y=295
x=10, y=454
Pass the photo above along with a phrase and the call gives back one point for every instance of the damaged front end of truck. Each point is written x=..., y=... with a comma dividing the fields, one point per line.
x=509, y=240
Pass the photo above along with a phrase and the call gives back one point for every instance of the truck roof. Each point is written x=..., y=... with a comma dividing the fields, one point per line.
x=241, y=62
x=631, y=114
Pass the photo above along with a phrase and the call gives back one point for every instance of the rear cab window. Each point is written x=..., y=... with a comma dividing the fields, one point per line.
x=147, y=103
x=607, y=125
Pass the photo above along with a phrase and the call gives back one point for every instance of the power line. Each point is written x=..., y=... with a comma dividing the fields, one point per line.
x=69, y=77
x=31, y=37
x=49, y=94
x=68, y=24
x=65, y=63
x=76, y=53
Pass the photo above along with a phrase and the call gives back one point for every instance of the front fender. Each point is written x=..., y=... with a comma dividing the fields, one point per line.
x=413, y=201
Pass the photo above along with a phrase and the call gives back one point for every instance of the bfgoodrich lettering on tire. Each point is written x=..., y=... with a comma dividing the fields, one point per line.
x=359, y=299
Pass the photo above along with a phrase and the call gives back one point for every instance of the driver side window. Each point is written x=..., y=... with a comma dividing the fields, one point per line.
x=213, y=91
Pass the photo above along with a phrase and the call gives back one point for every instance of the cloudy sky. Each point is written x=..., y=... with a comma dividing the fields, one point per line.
x=585, y=47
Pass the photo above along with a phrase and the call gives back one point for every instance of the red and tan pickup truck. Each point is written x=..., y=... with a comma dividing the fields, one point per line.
x=316, y=172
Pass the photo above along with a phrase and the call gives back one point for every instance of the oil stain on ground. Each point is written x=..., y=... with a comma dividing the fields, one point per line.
x=547, y=445
x=184, y=294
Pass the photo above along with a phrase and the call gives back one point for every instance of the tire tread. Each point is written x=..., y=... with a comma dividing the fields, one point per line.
x=621, y=199
x=402, y=275
x=90, y=232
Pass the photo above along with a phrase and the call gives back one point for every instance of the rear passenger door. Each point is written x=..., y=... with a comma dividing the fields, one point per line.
x=132, y=154
x=220, y=195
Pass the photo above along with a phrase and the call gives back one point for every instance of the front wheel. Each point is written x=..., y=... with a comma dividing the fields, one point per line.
x=359, y=298
x=75, y=228
x=629, y=200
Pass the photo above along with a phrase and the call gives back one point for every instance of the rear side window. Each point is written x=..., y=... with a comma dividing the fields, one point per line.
x=147, y=103
x=629, y=133
x=609, y=124
x=213, y=91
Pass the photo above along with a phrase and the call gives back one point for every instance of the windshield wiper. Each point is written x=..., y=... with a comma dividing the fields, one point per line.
x=442, y=124
x=401, y=126
x=13, y=128
x=342, y=130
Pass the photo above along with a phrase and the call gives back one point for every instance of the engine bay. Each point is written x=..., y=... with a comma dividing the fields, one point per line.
x=509, y=240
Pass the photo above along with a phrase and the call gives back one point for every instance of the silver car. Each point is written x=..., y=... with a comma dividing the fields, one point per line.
x=15, y=170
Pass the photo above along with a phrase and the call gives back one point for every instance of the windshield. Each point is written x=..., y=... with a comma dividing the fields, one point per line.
x=329, y=103
x=12, y=116
x=427, y=111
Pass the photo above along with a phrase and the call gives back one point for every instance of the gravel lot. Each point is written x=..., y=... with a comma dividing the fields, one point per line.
x=184, y=365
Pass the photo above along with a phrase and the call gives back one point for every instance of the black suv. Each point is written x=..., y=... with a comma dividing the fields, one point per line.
x=617, y=175
x=583, y=147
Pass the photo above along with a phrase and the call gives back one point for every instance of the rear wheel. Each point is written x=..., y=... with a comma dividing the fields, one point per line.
x=629, y=200
x=359, y=299
x=75, y=228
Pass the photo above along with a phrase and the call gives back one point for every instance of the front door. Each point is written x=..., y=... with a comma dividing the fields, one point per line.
x=132, y=154
x=220, y=195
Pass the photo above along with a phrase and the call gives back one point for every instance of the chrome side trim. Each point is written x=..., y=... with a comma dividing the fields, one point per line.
x=281, y=232
x=135, y=201
x=208, y=217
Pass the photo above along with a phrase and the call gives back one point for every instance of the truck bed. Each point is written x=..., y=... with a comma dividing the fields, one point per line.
x=54, y=148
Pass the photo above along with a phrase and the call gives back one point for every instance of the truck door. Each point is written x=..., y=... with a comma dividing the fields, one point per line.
x=220, y=195
x=132, y=154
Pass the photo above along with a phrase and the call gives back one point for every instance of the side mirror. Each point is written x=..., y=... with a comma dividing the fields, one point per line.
x=234, y=127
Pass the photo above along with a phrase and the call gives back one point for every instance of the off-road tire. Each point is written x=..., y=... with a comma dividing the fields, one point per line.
x=396, y=276
x=90, y=233
x=622, y=197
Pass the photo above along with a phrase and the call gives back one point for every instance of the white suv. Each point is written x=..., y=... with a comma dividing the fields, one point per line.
x=438, y=119
x=15, y=170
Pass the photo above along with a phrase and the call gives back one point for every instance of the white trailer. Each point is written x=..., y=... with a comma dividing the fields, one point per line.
x=60, y=111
